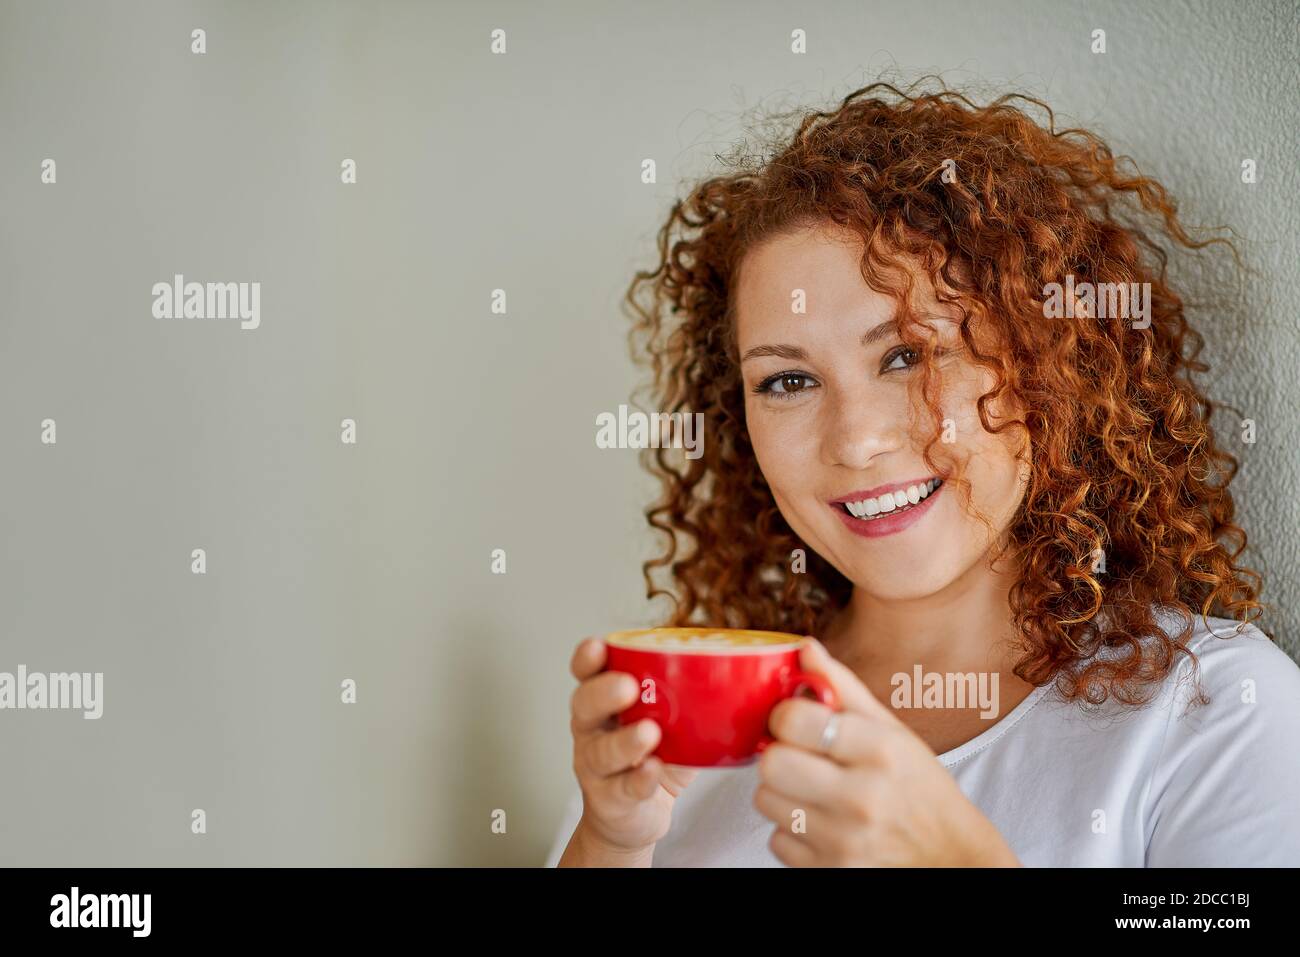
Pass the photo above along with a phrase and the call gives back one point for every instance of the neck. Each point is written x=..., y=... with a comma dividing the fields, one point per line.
x=966, y=626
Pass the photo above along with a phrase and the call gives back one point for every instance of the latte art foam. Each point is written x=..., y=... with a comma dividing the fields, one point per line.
x=702, y=639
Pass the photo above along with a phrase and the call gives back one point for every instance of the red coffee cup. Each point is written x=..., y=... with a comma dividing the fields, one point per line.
x=711, y=690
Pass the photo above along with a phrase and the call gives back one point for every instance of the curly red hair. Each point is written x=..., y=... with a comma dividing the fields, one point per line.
x=1124, y=456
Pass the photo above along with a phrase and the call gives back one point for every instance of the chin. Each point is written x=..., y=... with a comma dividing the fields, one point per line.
x=908, y=571
x=891, y=584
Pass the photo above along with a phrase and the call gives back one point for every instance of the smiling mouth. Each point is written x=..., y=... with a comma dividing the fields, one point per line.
x=889, y=504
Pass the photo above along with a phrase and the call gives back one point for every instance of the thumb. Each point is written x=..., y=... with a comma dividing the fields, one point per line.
x=853, y=694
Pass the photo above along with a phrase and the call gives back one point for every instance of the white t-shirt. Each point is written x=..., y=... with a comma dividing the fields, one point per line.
x=1159, y=786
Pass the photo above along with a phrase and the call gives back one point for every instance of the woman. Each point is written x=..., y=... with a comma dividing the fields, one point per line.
x=950, y=428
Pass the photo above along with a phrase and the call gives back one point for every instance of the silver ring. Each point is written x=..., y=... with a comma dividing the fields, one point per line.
x=829, y=732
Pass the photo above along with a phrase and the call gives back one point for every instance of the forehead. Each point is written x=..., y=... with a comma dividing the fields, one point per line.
x=827, y=256
x=825, y=264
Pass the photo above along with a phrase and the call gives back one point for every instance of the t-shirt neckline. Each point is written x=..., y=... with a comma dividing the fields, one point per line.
x=989, y=735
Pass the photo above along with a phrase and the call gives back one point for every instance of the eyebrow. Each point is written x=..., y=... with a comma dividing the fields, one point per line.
x=872, y=335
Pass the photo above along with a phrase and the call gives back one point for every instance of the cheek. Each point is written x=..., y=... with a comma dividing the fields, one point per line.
x=997, y=475
x=996, y=469
x=960, y=404
x=781, y=441
x=991, y=460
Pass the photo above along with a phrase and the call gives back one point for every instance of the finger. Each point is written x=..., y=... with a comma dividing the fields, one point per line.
x=599, y=698
x=675, y=777
x=853, y=694
x=820, y=827
x=858, y=738
x=806, y=777
x=791, y=851
x=640, y=783
x=787, y=812
x=827, y=831
x=588, y=658
x=613, y=752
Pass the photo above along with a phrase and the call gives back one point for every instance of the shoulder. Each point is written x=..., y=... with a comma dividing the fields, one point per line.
x=1230, y=663
x=1233, y=663
x=1227, y=776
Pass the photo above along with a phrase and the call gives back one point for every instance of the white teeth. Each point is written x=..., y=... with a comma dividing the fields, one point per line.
x=890, y=501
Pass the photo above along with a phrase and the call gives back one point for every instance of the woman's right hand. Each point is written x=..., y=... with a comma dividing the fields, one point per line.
x=627, y=793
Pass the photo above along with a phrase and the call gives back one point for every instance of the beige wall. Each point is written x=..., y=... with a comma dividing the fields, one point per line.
x=371, y=562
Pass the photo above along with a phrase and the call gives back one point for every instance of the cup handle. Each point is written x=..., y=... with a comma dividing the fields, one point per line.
x=798, y=681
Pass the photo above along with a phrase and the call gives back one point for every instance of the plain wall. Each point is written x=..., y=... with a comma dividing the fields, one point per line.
x=476, y=431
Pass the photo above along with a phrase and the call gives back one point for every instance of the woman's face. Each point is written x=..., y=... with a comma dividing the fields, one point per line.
x=831, y=419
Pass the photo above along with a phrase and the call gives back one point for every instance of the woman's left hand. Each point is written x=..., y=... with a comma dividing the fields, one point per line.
x=880, y=798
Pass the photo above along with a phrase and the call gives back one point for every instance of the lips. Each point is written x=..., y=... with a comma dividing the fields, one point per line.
x=886, y=498
x=878, y=511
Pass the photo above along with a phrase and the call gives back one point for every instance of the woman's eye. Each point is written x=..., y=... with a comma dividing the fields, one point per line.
x=908, y=356
x=785, y=385
x=899, y=353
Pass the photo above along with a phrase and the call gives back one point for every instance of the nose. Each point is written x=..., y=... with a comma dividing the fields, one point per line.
x=856, y=429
